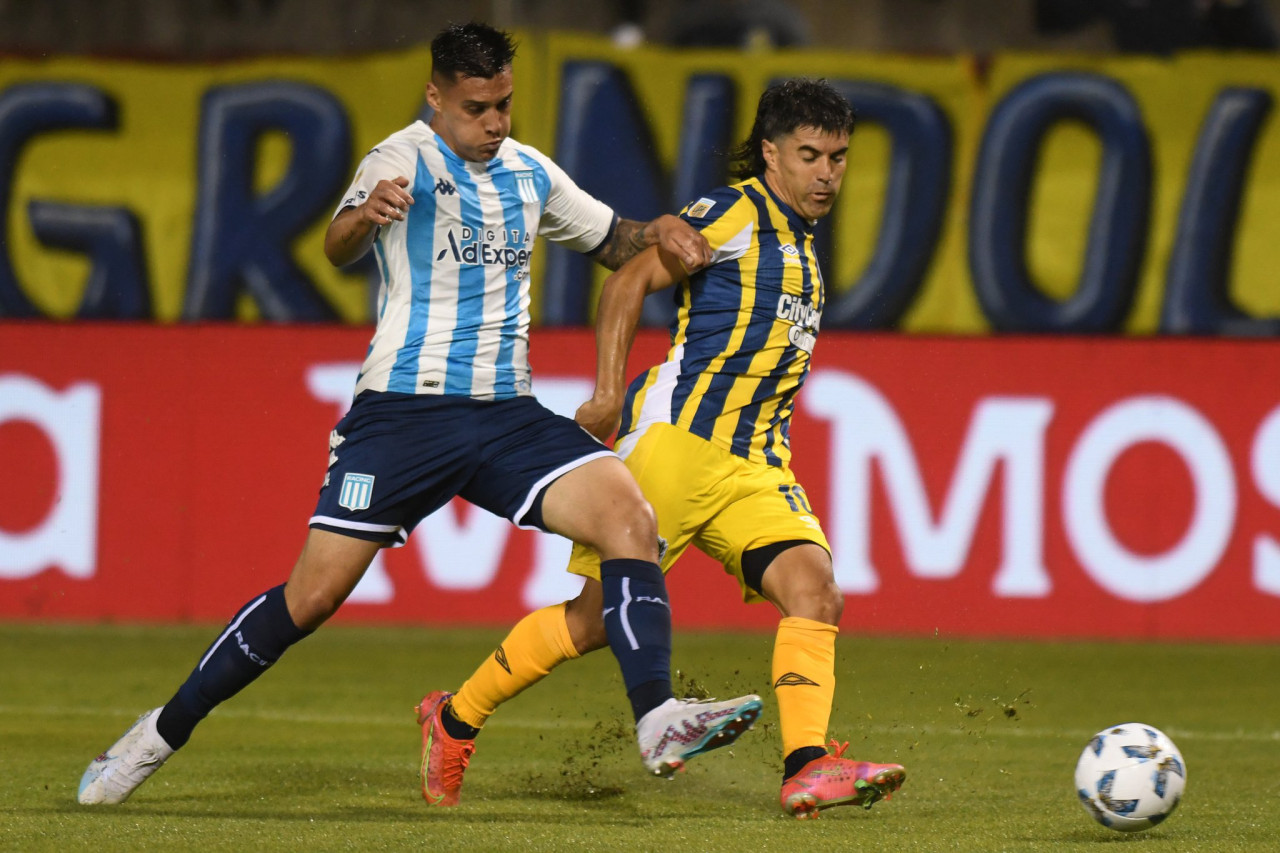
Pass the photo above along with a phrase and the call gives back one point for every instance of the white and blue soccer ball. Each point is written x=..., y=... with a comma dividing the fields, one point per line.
x=1130, y=777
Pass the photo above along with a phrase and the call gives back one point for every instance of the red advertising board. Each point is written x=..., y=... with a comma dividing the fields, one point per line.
x=1055, y=487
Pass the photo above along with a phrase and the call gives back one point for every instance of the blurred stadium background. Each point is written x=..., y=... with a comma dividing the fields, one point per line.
x=1047, y=385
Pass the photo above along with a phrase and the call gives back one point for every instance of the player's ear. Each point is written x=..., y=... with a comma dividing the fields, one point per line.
x=433, y=93
x=770, y=152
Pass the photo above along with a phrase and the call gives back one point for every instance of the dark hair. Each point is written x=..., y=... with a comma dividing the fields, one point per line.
x=471, y=50
x=784, y=107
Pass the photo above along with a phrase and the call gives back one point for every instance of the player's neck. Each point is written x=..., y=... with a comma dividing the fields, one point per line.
x=770, y=179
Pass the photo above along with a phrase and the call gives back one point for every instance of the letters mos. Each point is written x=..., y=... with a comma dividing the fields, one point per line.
x=1004, y=451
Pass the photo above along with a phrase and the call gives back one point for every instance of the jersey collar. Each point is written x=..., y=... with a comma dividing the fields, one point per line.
x=452, y=157
x=797, y=222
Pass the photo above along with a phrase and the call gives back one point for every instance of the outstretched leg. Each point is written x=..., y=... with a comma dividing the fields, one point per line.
x=260, y=632
x=537, y=644
x=600, y=506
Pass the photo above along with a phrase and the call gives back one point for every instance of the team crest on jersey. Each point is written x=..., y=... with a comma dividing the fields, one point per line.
x=357, y=492
x=701, y=208
x=526, y=187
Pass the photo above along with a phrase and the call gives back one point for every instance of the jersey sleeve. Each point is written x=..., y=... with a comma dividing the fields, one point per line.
x=726, y=218
x=572, y=217
x=390, y=159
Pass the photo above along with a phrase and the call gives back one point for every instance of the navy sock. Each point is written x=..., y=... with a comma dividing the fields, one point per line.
x=252, y=642
x=637, y=619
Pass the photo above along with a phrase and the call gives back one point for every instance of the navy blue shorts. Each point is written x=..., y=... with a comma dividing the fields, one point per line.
x=396, y=458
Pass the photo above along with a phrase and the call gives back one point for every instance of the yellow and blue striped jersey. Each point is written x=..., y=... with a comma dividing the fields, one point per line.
x=744, y=330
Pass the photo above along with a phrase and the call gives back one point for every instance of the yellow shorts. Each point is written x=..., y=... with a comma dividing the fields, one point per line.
x=705, y=496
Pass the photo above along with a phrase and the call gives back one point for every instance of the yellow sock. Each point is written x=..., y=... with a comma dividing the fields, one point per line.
x=537, y=644
x=804, y=680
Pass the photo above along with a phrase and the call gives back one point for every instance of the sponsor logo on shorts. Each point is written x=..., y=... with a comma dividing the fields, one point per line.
x=357, y=491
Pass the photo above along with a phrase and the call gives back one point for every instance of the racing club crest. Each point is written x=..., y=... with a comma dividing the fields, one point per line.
x=357, y=491
x=526, y=186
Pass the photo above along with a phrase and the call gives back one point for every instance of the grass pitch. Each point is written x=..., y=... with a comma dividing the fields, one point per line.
x=321, y=754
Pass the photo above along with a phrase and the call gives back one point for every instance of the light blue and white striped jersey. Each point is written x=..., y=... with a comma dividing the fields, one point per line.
x=453, y=309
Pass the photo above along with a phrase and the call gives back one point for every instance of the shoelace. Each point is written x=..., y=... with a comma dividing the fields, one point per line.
x=837, y=748
x=457, y=755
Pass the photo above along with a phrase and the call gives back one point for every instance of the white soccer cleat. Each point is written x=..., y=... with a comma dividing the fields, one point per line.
x=682, y=728
x=114, y=774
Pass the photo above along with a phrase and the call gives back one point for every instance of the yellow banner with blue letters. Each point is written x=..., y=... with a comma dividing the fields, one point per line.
x=1030, y=193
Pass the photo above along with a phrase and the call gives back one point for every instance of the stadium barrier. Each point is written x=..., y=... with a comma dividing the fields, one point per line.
x=1056, y=487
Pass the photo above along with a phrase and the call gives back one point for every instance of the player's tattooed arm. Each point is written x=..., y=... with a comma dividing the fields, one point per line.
x=353, y=231
x=670, y=232
x=618, y=315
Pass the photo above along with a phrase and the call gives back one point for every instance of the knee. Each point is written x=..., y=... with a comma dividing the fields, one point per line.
x=807, y=595
x=585, y=619
x=588, y=634
x=632, y=532
x=310, y=608
x=828, y=604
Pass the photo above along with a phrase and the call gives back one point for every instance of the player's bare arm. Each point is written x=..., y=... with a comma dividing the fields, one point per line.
x=670, y=232
x=618, y=315
x=352, y=231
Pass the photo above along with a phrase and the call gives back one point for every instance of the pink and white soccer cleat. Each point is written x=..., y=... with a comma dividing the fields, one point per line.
x=836, y=781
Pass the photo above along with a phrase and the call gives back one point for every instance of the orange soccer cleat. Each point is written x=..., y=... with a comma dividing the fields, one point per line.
x=444, y=758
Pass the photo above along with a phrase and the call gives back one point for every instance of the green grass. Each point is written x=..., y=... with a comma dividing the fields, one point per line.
x=322, y=753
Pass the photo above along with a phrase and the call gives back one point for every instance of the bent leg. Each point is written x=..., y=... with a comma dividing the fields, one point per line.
x=600, y=506
x=537, y=644
x=800, y=583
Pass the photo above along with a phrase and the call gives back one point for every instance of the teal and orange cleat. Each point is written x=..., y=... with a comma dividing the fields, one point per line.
x=679, y=729
x=444, y=758
x=835, y=781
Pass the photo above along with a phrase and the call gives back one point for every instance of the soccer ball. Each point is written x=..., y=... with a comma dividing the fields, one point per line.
x=1130, y=777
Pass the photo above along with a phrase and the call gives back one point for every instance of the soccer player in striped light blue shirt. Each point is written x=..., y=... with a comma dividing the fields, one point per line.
x=443, y=407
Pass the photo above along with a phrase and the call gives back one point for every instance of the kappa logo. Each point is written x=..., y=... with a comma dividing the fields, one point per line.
x=443, y=187
x=357, y=492
x=501, y=657
x=794, y=679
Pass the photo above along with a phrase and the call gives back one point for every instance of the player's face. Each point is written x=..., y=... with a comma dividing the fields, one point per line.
x=472, y=114
x=805, y=168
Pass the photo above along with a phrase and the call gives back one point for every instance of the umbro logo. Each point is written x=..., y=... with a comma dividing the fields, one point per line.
x=794, y=679
x=501, y=657
x=443, y=187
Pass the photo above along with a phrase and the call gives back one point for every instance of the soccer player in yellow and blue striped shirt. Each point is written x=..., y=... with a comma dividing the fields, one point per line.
x=705, y=433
